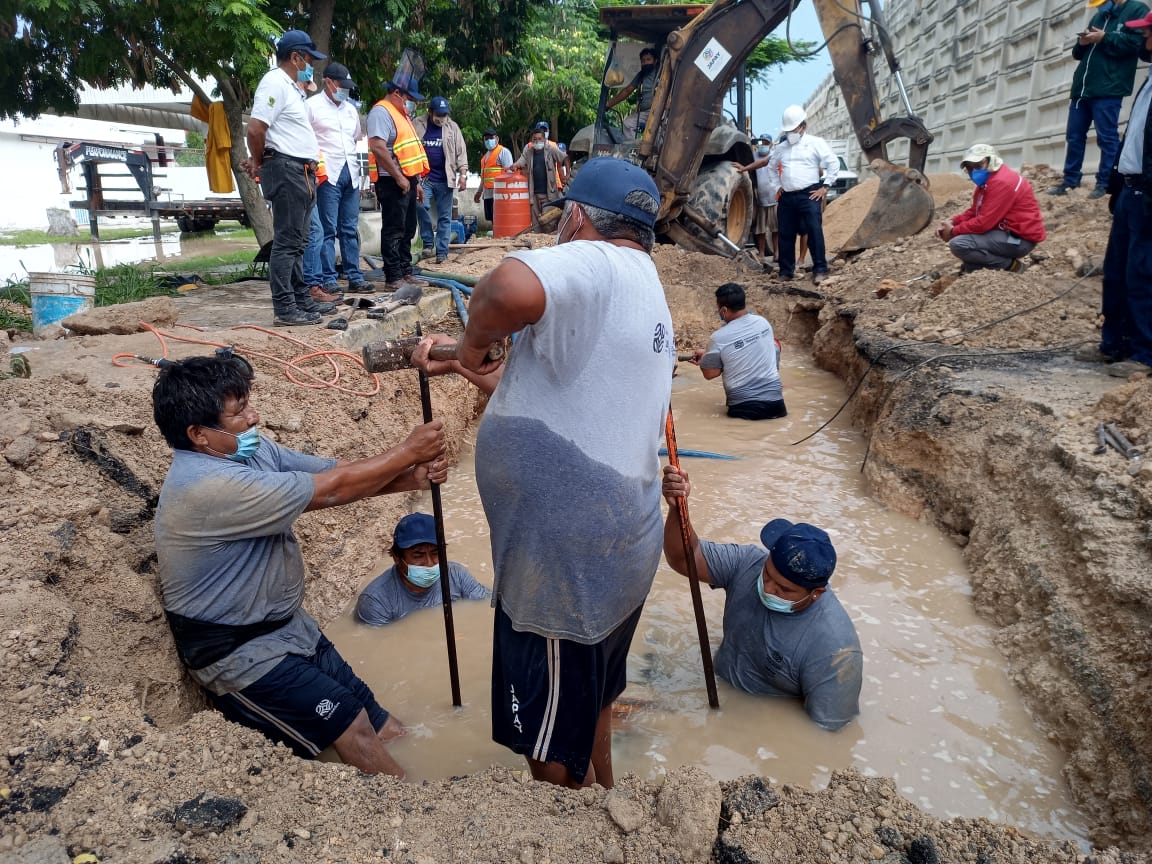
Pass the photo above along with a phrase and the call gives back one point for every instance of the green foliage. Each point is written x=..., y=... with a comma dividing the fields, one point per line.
x=192, y=155
x=15, y=305
x=126, y=283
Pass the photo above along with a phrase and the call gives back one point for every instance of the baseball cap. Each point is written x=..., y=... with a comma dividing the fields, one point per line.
x=606, y=182
x=489, y=133
x=438, y=105
x=298, y=40
x=801, y=552
x=978, y=153
x=414, y=529
x=542, y=124
x=339, y=73
x=1138, y=23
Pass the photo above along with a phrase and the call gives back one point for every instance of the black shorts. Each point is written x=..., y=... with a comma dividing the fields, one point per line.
x=758, y=410
x=488, y=208
x=547, y=694
x=305, y=703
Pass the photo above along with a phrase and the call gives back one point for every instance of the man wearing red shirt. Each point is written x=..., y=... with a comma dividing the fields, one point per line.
x=1003, y=224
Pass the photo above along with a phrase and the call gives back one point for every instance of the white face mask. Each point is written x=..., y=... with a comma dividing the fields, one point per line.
x=537, y=145
x=794, y=138
x=438, y=121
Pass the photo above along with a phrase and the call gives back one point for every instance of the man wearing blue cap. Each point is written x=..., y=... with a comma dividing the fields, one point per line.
x=283, y=155
x=448, y=170
x=410, y=583
x=785, y=632
x=567, y=464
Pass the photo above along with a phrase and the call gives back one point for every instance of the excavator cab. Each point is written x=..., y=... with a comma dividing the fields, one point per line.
x=722, y=196
x=688, y=146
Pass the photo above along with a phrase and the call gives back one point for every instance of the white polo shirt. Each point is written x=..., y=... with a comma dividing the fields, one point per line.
x=337, y=129
x=280, y=104
x=802, y=162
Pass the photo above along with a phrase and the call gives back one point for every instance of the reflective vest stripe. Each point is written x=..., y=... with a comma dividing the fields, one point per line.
x=321, y=170
x=490, y=166
x=407, y=149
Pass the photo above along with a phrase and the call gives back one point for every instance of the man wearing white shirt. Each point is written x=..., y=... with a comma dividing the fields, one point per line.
x=282, y=156
x=807, y=168
x=337, y=125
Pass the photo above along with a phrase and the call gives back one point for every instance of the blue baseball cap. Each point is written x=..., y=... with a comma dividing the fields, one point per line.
x=801, y=552
x=298, y=40
x=414, y=529
x=606, y=182
x=439, y=106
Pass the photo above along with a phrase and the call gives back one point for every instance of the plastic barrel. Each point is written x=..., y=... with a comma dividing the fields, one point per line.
x=55, y=296
x=511, y=212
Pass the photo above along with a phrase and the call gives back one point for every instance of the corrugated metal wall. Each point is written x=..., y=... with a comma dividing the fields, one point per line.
x=977, y=71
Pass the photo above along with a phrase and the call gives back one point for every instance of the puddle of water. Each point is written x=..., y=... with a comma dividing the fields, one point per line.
x=939, y=713
x=17, y=261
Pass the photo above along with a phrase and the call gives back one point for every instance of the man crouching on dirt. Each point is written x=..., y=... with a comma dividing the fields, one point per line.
x=785, y=632
x=231, y=571
x=567, y=466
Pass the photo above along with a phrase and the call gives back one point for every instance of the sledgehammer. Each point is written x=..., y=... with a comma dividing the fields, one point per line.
x=391, y=355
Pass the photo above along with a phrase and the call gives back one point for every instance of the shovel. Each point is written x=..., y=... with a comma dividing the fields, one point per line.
x=389, y=355
x=408, y=294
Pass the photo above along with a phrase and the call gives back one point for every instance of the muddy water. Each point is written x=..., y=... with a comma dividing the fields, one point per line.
x=939, y=714
x=17, y=261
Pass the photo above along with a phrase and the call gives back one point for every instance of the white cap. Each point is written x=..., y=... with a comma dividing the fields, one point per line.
x=793, y=116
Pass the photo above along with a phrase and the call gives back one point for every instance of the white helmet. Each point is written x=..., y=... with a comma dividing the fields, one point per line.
x=793, y=116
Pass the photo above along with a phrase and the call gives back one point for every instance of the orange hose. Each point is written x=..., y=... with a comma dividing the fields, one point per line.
x=291, y=367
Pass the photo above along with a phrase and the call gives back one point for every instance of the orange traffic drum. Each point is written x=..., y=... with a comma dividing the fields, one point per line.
x=511, y=212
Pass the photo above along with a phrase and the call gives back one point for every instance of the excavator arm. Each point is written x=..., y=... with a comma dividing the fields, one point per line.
x=698, y=64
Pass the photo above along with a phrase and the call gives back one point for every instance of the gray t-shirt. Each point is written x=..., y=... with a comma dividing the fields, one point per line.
x=814, y=654
x=387, y=599
x=382, y=126
x=227, y=554
x=745, y=350
x=567, y=455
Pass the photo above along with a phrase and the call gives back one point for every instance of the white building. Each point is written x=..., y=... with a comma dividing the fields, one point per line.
x=976, y=71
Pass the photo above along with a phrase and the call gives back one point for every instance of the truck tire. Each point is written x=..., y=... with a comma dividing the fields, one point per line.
x=724, y=197
x=185, y=223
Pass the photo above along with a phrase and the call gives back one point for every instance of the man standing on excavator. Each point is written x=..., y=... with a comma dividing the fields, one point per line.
x=807, y=168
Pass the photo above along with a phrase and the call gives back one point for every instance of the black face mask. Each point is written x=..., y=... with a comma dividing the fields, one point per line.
x=647, y=66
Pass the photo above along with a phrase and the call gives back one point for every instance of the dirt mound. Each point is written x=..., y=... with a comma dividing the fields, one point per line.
x=844, y=215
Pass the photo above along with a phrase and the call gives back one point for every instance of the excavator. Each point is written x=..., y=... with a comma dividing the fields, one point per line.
x=688, y=146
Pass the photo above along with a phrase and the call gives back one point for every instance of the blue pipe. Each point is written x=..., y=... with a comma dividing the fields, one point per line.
x=460, y=307
x=698, y=454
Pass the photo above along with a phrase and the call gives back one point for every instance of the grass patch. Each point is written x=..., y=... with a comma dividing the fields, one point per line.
x=38, y=238
x=15, y=301
x=192, y=263
x=127, y=283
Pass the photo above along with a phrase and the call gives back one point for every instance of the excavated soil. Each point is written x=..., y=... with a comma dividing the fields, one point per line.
x=987, y=429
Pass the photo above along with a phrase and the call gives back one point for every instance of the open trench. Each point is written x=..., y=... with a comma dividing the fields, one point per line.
x=107, y=732
x=994, y=452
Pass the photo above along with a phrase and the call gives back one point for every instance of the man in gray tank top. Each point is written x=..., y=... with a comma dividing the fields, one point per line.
x=567, y=463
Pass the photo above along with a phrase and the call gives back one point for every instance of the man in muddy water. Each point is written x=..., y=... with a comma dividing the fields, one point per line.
x=231, y=571
x=411, y=582
x=744, y=351
x=785, y=632
x=568, y=468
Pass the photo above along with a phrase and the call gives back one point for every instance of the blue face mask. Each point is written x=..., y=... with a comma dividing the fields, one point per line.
x=422, y=577
x=304, y=75
x=763, y=151
x=340, y=95
x=247, y=443
x=1106, y=7
x=979, y=176
x=773, y=603
x=410, y=107
x=489, y=143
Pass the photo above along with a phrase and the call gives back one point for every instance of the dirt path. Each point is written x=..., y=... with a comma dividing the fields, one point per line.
x=109, y=752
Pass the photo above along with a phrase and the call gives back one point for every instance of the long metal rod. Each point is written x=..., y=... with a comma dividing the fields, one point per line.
x=442, y=553
x=690, y=559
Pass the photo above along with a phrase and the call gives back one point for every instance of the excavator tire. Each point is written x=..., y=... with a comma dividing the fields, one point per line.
x=724, y=197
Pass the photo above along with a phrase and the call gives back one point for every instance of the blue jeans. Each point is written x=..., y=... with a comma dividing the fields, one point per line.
x=1127, y=300
x=441, y=193
x=313, y=270
x=1104, y=114
x=798, y=214
x=339, y=206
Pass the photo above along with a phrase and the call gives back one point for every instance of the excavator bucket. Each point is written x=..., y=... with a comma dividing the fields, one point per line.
x=902, y=207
